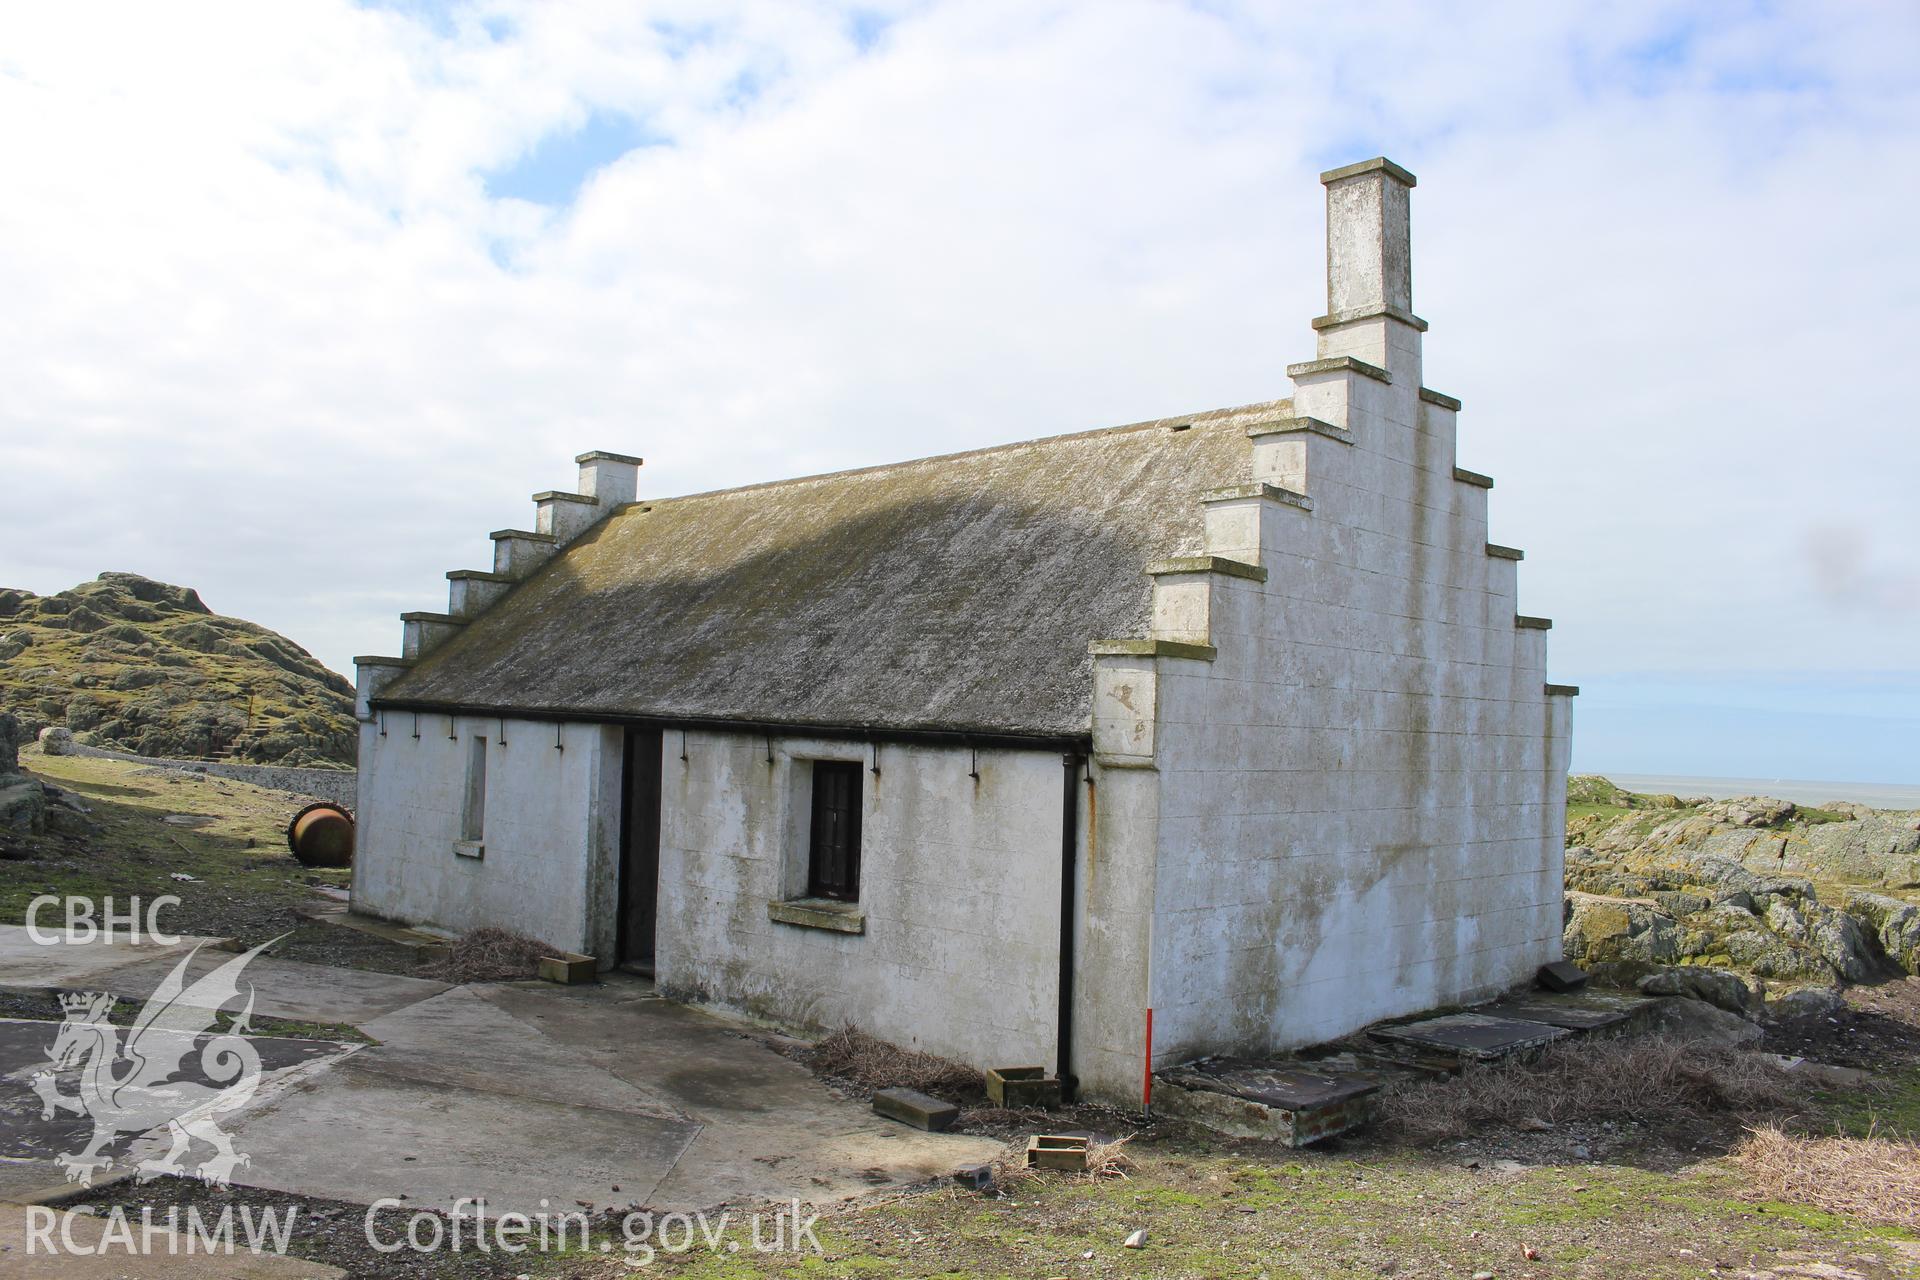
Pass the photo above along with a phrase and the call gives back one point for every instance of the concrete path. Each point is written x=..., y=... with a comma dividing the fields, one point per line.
x=72, y=965
x=285, y=989
x=608, y=1095
x=515, y=1093
x=164, y=1256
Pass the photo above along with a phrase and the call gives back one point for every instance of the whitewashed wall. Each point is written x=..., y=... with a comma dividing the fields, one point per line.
x=551, y=827
x=959, y=884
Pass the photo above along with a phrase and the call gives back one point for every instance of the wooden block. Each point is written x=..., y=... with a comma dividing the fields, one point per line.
x=1057, y=1151
x=910, y=1106
x=1562, y=975
x=1022, y=1087
x=568, y=968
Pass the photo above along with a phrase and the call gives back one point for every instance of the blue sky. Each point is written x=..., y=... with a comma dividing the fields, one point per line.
x=551, y=171
x=407, y=260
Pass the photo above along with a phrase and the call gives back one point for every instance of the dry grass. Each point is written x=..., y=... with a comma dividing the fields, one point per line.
x=853, y=1057
x=1872, y=1179
x=1109, y=1160
x=490, y=955
x=1649, y=1079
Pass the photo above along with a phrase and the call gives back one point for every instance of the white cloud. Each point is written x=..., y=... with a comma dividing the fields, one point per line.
x=260, y=339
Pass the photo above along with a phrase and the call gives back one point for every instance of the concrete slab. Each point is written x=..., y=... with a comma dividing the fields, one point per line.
x=1582, y=1011
x=156, y=1259
x=1288, y=1100
x=288, y=989
x=1466, y=1037
x=462, y=1040
x=359, y=1134
x=73, y=965
x=770, y=1130
x=31, y=1142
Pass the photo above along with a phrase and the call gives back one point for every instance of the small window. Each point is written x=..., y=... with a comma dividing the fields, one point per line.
x=833, y=858
x=473, y=814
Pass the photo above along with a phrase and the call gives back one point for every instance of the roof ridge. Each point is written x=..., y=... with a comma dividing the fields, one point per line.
x=1222, y=415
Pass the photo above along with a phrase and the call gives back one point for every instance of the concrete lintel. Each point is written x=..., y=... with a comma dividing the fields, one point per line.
x=1381, y=163
x=375, y=660
x=1208, y=564
x=444, y=619
x=601, y=455
x=1152, y=649
x=1526, y=623
x=1385, y=311
x=1465, y=476
x=524, y=535
x=1337, y=364
x=561, y=495
x=818, y=913
x=1272, y=492
x=476, y=575
x=1295, y=426
x=1563, y=690
x=1435, y=397
x=1499, y=552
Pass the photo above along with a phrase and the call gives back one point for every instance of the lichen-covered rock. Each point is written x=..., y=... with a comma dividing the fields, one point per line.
x=9, y=743
x=1786, y=921
x=1680, y=902
x=1750, y=811
x=1721, y=988
x=1599, y=929
x=1894, y=923
x=56, y=740
x=1685, y=1018
x=1840, y=940
x=1768, y=955
x=1807, y=1002
x=23, y=803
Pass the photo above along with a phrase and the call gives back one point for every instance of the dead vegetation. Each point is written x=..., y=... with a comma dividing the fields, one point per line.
x=1651, y=1080
x=1873, y=1179
x=867, y=1063
x=490, y=955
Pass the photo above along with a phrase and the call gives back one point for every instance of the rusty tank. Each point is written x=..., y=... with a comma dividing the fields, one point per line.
x=321, y=835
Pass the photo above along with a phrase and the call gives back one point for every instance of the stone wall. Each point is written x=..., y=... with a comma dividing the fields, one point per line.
x=338, y=785
x=959, y=894
x=543, y=863
x=1359, y=766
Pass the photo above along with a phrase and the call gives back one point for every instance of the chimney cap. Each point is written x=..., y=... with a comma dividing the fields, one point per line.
x=601, y=455
x=1387, y=166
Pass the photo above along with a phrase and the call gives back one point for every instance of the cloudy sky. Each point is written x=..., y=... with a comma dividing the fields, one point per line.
x=299, y=300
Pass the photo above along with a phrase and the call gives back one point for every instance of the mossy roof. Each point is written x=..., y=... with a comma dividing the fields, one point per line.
x=953, y=594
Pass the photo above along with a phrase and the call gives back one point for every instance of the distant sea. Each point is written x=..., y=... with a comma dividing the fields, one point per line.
x=1878, y=795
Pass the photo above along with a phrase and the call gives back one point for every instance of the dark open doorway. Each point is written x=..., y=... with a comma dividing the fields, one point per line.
x=640, y=849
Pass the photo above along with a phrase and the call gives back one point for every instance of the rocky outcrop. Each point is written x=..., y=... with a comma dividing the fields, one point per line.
x=1736, y=885
x=142, y=666
x=1895, y=924
x=1721, y=988
x=23, y=800
x=1600, y=930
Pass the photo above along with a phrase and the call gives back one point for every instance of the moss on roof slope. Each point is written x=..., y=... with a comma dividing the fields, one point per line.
x=956, y=593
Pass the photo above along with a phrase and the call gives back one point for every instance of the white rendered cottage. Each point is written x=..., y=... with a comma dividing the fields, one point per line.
x=1216, y=734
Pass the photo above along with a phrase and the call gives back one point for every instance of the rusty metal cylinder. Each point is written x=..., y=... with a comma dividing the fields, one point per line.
x=321, y=835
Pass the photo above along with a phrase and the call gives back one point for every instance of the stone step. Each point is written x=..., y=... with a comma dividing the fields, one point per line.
x=1290, y=1101
x=1453, y=1040
x=910, y=1106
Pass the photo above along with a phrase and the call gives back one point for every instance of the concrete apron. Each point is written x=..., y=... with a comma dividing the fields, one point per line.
x=515, y=1093
x=530, y=1096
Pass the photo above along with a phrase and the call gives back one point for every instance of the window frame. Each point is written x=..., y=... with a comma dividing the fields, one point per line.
x=845, y=888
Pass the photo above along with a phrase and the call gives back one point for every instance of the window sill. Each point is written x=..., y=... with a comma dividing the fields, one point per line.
x=470, y=848
x=819, y=913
